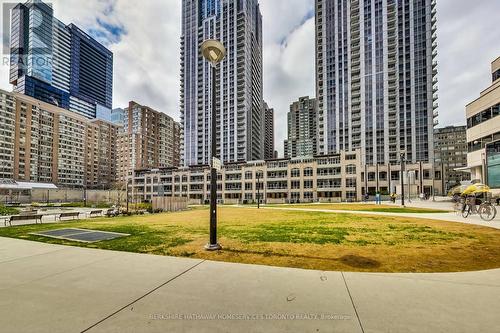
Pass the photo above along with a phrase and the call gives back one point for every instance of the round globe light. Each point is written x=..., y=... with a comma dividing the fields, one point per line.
x=213, y=51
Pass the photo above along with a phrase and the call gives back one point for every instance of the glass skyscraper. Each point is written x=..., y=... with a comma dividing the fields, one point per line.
x=57, y=63
x=238, y=25
x=376, y=78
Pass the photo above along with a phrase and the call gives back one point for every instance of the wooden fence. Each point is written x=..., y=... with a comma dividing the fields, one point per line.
x=170, y=204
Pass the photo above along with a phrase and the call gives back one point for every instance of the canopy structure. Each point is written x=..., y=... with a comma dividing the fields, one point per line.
x=476, y=189
x=458, y=190
x=21, y=186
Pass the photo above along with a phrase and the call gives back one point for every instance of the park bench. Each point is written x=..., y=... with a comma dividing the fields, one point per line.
x=35, y=218
x=95, y=213
x=72, y=215
x=29, y=212
x=112, y=213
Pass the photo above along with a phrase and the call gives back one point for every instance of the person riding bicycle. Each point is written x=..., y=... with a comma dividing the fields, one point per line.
x=478, y=201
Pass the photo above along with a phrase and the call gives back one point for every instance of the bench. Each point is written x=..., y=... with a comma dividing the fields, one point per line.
x=68, y=215
x=112, y=213
x=29, y=213
x=35, y=218
x=95, y=213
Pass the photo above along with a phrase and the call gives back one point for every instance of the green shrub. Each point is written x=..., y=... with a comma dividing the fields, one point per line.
x=8, y=210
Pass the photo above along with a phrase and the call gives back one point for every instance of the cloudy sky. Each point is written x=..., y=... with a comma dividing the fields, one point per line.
x=144, y=37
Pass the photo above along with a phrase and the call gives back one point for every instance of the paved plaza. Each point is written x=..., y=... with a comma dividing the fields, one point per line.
x=53, y=288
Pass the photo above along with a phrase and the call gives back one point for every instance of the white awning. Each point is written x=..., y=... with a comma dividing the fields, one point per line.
x=13, y=185
x=469, y=167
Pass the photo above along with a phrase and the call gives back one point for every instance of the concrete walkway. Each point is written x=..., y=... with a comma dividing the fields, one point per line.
x=52, y=288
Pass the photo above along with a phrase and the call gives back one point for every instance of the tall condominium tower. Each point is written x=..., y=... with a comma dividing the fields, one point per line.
x=302, y=129
x=59, y=64
x=268, y=132
x=238, y=25
x=376, y=78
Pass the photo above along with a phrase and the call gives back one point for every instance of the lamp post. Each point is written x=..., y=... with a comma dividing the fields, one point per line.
x=214, y=52
x=126, y=191
x=402, y=178
x=258, y=189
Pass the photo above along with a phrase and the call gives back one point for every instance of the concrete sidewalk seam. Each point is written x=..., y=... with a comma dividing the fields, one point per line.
x=143, y=296
x=352, y=302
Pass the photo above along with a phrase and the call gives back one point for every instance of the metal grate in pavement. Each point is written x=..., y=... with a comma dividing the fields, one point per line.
x=80, y=235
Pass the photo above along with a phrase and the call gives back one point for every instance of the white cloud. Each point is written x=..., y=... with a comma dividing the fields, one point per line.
x=468, y=41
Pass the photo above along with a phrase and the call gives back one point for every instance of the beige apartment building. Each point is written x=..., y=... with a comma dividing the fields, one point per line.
x=149, y=139
x=450, y=151
x=333, y=178
x=483, y=128
x=42, y=143
x=100, y=154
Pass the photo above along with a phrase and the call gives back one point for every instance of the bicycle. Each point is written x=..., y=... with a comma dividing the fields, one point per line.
x=486, y=210
x=459, y=207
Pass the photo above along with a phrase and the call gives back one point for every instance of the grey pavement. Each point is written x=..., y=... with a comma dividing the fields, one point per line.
x=53, y=288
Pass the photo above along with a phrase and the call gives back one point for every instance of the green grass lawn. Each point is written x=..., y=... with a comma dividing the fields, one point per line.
x=363, y=208
x=311, y=240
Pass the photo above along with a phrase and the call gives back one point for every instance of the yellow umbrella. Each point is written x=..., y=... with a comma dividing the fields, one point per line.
x=476, y=189
x=457, y=190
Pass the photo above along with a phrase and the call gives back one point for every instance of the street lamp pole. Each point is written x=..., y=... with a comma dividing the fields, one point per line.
x=402, y=178
x=126, y=191
x=258, y=190
x=213, y=180
x=214, y=52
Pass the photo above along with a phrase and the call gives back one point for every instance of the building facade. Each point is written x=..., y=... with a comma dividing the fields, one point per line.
x=334, y=178
x=268, y=132
x=450, y=151
x=483, y=130
x=238, y=25
x=59, y=64
x=100, y=154
x=117, y=117
x=41, y=143
x=376, y=78
x=302, y=129
x=149, y=139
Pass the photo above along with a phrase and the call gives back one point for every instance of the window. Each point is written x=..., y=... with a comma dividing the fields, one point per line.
x=350, y=182
x=308, y=172
x=351, y=169
x=295, y=173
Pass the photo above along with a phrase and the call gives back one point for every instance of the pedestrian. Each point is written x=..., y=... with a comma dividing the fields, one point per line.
x=378, y=200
